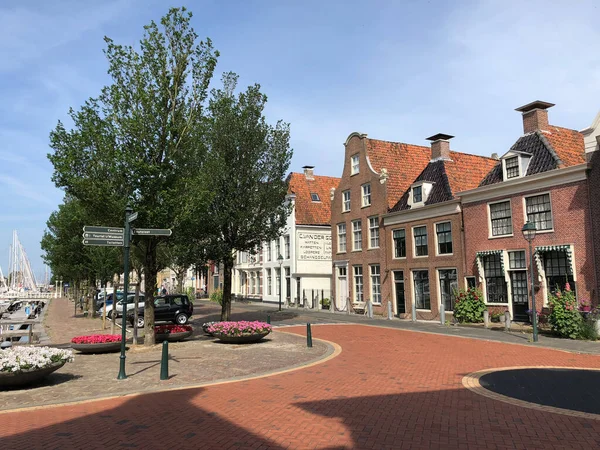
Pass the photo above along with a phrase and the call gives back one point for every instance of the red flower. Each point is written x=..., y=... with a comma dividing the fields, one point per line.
x=96, y=339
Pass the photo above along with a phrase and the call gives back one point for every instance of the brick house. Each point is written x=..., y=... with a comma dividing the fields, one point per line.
x=305, y=247
x=543, y=178
x=424, y=262
x=376, y=173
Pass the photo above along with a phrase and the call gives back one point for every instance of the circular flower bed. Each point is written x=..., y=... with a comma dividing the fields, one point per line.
x=20, y=366
x=172, y=333
x=206, y=326
x=240, y=332
x=97, y=343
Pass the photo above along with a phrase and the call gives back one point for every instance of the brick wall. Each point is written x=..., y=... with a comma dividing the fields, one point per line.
x=570, y=213
x=594, y=188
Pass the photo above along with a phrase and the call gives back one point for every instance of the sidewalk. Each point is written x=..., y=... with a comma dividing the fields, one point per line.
x=521, y=336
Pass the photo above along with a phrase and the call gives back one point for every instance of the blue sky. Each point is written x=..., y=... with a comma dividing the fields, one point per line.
x=396, y=70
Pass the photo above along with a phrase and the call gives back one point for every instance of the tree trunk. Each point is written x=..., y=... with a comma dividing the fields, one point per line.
x=150, y=272
x=226, y=303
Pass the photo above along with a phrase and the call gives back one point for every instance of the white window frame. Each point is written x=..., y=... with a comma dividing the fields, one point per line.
x=354, y=164
x=489, y=216
x=414, y=241
x=346, y=202
x=356, y=230
x=366, y=196
x=374, y=232
x=286, y=246
x=269, y=282
x=413, y=291
x=437, y=249
x=372, y=277
x=277, y=248
x=339, y=237
x=537, y=194
x=394, y=244
x=355, y=298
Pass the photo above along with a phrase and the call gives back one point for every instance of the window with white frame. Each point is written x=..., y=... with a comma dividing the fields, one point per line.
x=512, y=167
x=277, y=248
x=346, y=201
x=355, y=165
x=278, y=281
x=259, y=279
x=558, y=271
x=358, y=283
x=375, y=283
x=373, y=232
x=357, y=235
x=501, y=218
x=268, y=246
x=269, y=282
x=315, y=197
x=516, y=259
x=421, y=281
x=539, y=211
x=341, y=237
x=444, y=238
x=366, y=194
x=494, y=279
x=252, y=283
x=399, y=238
x=287, y=246
x=420, y=237
x=417, y=194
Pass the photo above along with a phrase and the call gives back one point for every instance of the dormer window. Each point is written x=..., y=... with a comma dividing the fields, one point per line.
x=417, y=194
x=315, y=197
x=512, y=167
x=355, y=165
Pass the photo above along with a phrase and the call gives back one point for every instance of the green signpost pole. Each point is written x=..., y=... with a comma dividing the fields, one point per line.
x=126, y=237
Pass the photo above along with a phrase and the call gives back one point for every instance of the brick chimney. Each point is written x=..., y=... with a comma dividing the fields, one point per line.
x=309, y=172
x=535, y=116
x=440, y=146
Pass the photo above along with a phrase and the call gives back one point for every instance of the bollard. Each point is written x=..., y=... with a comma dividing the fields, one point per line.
x=308, y=335
x=369, y=309
x=486, y=319
x=442, y=314
x=390, y=311
x=164, y=361
x=414, y=312
x=269, y=320
x=506, y=321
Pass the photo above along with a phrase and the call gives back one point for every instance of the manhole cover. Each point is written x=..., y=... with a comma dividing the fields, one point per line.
x=574, y=389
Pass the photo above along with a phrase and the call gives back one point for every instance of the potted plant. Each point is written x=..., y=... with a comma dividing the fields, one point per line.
x=240, y=332
x=24, y=365
x=97, y=343
x=325, y=303
x=172, y=333
x=585, y=305
x=206, y=326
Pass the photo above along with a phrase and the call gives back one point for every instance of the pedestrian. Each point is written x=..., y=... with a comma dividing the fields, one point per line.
x=164, y=291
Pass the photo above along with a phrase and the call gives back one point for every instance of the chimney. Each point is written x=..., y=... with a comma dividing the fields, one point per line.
x=309, y=172
x=535, y=116
x=495, y=156
x=440, y=146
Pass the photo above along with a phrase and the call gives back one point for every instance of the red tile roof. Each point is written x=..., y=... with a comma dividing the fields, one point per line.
x=567, y=144
x=307, y=211
x=404, y=162
x=466, y=171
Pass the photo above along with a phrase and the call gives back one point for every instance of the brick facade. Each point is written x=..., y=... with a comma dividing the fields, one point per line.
x=594, y=195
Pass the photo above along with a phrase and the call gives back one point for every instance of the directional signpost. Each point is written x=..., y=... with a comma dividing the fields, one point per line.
x=120, y=237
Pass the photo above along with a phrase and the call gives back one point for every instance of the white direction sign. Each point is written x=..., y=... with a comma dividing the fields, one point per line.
x=152, y=231
x=132, y=217
x=102, y=236
x=109, y=230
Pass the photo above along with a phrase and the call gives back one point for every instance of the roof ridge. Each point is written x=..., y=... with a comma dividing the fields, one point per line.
x=396, y=142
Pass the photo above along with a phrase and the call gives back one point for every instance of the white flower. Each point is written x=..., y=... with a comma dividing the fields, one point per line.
x=25, y=358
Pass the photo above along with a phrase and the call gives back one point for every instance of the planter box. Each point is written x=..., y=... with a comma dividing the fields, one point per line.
x=244, y=339
x=173, y=337
x=23, y=378
x=104, y=347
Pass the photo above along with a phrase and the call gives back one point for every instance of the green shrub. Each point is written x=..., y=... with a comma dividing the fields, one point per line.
x=588, y=330
x=469, y=306
x=565, y=319
x=326, y=302
x=190, y=292
x=217, y=296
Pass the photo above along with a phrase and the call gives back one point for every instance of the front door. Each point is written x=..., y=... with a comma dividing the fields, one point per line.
x=448, y=286
x=519, y=295
x=399, y=287
x=342, y=293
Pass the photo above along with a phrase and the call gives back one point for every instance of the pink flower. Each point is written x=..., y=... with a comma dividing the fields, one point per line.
x=567, y=287
x=96, y=339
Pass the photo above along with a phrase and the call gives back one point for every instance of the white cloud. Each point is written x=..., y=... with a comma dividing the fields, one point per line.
x=24, y=188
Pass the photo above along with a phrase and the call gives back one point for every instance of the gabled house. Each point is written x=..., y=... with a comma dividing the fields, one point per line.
x=425, y=261
x=542, y=178
x=303, y=273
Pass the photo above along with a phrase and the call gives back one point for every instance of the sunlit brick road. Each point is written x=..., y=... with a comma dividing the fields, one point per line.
x=387, y=389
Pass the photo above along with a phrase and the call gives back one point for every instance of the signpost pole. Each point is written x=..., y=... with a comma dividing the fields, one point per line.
x=122, y=374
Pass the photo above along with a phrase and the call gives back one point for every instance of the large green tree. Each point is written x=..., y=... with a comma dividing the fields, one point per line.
x=243, y=183
x=130, y=145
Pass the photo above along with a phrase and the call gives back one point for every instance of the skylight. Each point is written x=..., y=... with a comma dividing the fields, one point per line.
x=315, y=197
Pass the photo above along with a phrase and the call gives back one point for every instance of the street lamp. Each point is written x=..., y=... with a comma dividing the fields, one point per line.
x=280, y=260
x=529, y=231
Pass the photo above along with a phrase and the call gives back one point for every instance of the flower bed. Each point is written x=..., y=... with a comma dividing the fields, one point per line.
x=240, y=332
x=206, y=326
x=97, y=343
x=24, y=365
x=172, y=333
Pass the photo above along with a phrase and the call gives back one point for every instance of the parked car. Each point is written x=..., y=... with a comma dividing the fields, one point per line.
x=175, y=308
x=110, y=309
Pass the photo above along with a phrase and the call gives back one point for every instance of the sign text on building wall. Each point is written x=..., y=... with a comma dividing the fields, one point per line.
x=314, y=246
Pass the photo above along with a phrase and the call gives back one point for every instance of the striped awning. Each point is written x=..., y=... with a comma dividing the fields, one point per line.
x=557, y=248
x=482, y=254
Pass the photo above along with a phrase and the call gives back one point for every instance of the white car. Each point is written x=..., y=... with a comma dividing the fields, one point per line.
x=119, y=310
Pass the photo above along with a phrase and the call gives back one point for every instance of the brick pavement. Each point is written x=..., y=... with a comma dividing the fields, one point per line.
x=387, y=389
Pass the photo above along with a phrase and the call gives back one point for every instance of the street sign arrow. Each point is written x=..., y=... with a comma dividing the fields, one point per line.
x=104, y=242
x=103, y=236
x=152, y=231
x=110, y=230
x=132, y=217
